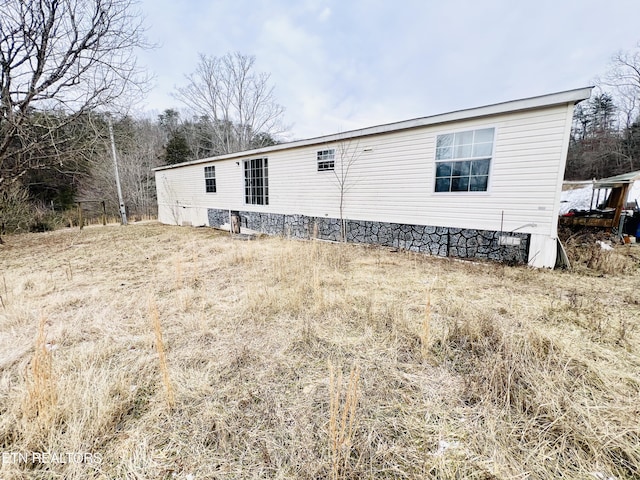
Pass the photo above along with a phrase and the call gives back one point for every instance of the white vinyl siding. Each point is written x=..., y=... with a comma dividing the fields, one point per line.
x=393, y=174
x=392, y=177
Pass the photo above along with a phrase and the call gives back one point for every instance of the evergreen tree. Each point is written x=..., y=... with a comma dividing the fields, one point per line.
x=177, y=149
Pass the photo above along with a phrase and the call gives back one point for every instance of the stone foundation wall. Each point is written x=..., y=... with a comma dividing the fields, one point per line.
x=217, y=217
x=440, y=241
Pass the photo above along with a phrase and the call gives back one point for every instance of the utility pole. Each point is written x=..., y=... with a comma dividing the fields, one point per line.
x=123, y=211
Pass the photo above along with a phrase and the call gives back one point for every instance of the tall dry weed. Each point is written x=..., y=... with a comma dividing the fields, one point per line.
x=162, y=356
x=242, y=253
x=42, y=395
x=195, y=271
x=342, y=419
x=318, y=292
x=177, y=262
x=5, y=289
x=425, y=331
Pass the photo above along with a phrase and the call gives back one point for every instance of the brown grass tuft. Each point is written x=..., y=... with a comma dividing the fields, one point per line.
x=5, y=292
x=162, y=357
x=177, y=262
x=425, y=339
x=585, y=252
x=42, y=393
x=342, y=418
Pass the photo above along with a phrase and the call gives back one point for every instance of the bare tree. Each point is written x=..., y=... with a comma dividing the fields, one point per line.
x=238, y=102
x=60, y=59
x=136, y=164
x=139, y=144
x=624, y=78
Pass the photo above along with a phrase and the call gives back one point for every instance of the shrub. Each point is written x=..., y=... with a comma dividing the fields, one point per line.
x=16, y=212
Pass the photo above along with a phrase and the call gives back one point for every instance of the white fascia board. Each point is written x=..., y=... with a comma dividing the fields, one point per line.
x=566, y=97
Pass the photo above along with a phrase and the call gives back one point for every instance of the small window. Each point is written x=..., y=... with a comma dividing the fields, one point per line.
x=326, y=160
x=463, y=160
x=210, y=179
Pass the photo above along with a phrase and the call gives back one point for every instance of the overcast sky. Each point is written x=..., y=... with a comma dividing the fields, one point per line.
x=345, y=64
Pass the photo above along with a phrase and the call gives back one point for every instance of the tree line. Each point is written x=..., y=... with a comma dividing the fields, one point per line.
x=605, y=138
x=67, y=70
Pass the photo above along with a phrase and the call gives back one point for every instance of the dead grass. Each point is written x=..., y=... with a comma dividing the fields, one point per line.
x=162, y=356
x=40, y=401
x=587, y=255
x=425, y=334
x=342, y=419
x=498, y=372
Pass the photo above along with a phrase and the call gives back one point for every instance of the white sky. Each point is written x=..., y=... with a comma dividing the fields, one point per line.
x=345, y=64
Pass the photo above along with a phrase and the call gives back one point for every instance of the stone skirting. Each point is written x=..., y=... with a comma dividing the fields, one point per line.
x=440, y=241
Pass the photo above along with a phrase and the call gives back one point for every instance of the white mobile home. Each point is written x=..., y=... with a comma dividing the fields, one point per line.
x=478, y=183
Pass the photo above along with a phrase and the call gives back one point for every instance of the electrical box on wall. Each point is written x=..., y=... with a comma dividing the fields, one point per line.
x=510, y=241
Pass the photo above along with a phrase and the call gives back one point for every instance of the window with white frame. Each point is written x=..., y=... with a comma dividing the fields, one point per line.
x=463, y=160
x=210, y=179
x=256, y=181
x=326, y=160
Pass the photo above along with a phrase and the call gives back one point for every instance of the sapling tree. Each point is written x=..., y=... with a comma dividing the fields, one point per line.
x=347, y=153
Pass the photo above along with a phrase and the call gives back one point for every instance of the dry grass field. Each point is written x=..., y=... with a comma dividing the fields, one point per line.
x=151, y=351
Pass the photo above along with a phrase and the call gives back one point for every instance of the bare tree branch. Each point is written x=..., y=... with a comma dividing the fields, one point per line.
x=624, y=78
x=238, y=102
x=139, y=145
x=61, y=58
